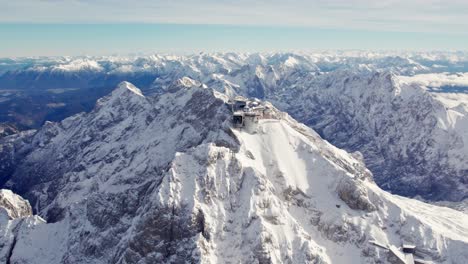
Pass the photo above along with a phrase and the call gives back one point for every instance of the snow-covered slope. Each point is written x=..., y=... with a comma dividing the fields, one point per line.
x=166, y=179
x=414, y=143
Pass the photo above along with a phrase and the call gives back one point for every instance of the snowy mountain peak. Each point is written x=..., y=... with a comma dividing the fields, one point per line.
x=124, y=86
x=75, y=65
x=182, y=83
x=125, y=99
x=187, y=82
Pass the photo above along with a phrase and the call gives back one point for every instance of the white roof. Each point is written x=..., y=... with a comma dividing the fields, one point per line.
x=408, y=246
x=240, y=98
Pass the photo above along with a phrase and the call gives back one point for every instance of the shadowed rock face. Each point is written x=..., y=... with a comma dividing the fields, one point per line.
x=354, y=196
x=12, y=150
x=72, y=146
x=397, y=129
x=126, y=143
x=7, y=129
x=165, y=235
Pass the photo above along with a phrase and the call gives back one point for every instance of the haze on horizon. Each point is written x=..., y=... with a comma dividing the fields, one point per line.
x=102, y=27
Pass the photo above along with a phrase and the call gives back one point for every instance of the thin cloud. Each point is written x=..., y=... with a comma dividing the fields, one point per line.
x=387, y=15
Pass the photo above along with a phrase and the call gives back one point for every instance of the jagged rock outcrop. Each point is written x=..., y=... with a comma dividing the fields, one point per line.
x=7, y=129
x=14, y=205
x=14, y=210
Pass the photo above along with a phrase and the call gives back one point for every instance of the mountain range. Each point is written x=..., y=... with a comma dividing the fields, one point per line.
x=167, y=178
x=405, y=113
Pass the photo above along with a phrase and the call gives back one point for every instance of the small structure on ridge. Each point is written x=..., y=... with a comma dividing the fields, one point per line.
x=247, y=113
x=406, y=254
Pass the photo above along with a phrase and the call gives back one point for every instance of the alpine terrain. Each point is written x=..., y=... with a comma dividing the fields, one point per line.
x=405, y=113
x=183, y=176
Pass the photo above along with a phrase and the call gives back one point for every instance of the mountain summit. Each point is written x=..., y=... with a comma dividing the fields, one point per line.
x=126, y=86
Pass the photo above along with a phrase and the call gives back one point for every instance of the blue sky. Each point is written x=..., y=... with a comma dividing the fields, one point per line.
x=102, y=27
